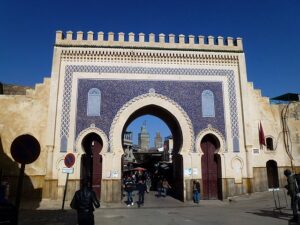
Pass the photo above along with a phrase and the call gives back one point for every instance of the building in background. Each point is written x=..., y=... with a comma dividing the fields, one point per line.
x=144, y=138
x=128, y=147
x=158, y=141
x=168, y=148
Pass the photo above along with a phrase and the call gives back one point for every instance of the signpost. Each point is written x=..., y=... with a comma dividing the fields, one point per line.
x=25, y=149
x=69, y=162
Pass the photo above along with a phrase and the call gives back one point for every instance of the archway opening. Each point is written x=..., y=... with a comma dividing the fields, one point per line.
x=91, y=162
x=211, y=168
x=159, y=162
x=272, y=173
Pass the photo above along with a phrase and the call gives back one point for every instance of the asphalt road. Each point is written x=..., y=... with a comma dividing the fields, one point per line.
x=255, y=209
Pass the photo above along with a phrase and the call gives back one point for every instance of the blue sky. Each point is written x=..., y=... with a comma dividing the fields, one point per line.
x=153, y=125
x=269, y=28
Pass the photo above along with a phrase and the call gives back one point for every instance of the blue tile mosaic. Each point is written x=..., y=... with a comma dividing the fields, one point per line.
x=83, y=123
x=115, y=93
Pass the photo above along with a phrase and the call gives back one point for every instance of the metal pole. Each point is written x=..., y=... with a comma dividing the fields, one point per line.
x=19, y=191
x=285, y=198
x=278, y=201
x=65, y=191
x=274, y=199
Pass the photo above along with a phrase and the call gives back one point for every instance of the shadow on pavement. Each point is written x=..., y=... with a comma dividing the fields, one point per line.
x=274, y=214
x=39, y=217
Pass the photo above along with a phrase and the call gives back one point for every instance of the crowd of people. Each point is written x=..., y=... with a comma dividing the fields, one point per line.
x=142, y=182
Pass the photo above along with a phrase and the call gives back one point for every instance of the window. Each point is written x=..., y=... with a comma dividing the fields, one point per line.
x=208, y=104
x=63, y=144
x=94, y=102
x=269, y=142
x=236, y=144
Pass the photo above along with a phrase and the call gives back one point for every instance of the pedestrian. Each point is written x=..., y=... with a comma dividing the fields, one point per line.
x=129, y=187
x=148, y=183
x=159, y=188
x=196, y=191
x=141, y=187
x=165, y=187
x=84, y=201
x=292, y=188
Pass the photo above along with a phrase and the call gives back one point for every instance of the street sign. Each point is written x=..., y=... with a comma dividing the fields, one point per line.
x=69, y=160
x=68, y=170
x=25, y=149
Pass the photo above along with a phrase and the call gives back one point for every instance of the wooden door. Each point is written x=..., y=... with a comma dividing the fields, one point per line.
x=209, y=164
x=272, y=172
x=86, y=168
x=97, y=167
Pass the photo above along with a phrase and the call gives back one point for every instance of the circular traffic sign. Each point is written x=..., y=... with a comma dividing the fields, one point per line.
x=25, y=149
x=69, y=160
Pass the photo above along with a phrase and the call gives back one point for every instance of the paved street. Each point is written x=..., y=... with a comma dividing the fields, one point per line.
x=252, y=209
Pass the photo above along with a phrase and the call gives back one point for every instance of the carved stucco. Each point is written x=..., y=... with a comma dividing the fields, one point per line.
x=85, y=132
x=237, y=165
x=151, y=99
x=211, y=130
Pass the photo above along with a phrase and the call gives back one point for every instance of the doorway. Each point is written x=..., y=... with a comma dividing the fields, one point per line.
x=211, y=168
x=91, y=162
x=167, y=163
x=272, y=173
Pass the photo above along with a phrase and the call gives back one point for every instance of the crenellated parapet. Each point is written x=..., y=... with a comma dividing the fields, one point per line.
x=141, y=40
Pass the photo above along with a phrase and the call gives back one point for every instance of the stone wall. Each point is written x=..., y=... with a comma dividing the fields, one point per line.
x=24, y=114
x=11, y=89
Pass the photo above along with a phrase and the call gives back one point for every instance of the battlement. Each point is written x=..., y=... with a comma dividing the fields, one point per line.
x=141, y=40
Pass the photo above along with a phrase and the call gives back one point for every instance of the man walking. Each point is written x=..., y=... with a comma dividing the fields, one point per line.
x=84, y=202
x=141, y=187
x=196, y=191
x=292, y=188
x=129, y=186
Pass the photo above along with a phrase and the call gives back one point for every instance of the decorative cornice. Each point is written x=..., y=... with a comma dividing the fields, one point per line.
x=148, y=56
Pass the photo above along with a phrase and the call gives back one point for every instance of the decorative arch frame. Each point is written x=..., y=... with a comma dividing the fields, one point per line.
x=238, y=159
x=238, y=174
x=210, y=130
x=162, y=101
x=85, y=132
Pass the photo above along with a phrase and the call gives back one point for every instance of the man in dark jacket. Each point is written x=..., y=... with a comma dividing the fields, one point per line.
x=141, y=187
x=129, y=187
x=84, y=202
x=196, y=191
x=292, y=191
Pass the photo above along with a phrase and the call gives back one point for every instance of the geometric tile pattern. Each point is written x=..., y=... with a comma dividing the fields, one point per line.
x=70, y=69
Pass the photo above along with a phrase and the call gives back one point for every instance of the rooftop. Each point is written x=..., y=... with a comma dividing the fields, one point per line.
x=160, y=41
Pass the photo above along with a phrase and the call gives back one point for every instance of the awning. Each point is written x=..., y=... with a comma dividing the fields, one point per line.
x=290, y=97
